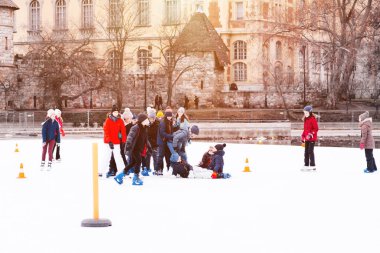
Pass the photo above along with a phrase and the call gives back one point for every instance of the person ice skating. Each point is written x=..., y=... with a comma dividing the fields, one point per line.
x=217, y=162
x=165, y=134
x=58, y=118
x=180, y=166
x=114, y=136
x=309, y=137
x=367, y=142
x=50, y=134
x=206, y=158
x=181, y=123
x=180, y=140
x=137, y=141
x=152, y=137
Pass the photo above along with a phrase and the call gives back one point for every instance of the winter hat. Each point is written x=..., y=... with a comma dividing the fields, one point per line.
x=364, y=116
x=151, y=113
x=308, y=108
x=194, y=129
x=220, y=146
x=174, y=157
x=57, y=112
x=127, y=114
x=141, y=117
x=181, y=110
x=160, y=114
x=114, y=108
x=50, y=112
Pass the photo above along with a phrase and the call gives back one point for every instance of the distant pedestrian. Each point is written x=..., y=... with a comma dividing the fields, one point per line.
x=196, y=102
x=367, y=141
x=186, y=102
x=309, y=137
x=50, y=135
x=160, y=107
x=156, y=102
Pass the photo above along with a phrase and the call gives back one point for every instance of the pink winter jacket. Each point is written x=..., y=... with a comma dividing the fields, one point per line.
x=366, y=135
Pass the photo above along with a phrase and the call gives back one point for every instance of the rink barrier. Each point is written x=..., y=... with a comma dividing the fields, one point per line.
x=96, y=221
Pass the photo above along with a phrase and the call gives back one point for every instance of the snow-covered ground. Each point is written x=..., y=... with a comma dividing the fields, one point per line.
x=275, y=208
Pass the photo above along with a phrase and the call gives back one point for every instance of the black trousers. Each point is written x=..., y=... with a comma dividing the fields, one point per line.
x=57, y=154
x=163, y=152
x=134, y=162
x=371, y=164
x=309, y=153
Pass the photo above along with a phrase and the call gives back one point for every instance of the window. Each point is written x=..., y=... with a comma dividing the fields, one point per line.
x=266, y=53
x=6, y=43
x=143, y=11
x=60, y=14
x=240, y=71
x=240, y=50
x=114, y=60
x=239, y=11
x=114, y=13
x=278, y=51
x=301, y=60
x=87, y=14
x=290, y=77
x=172, y=12
x=291, y=56
x=170, y=57
x=144, y=58
x=278, y=12
x=265, y=10
x=314, y=61
x=34, y=16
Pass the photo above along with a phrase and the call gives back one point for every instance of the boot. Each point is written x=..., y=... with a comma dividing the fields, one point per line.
x=119, y=178
x=136, y=180
x=49, y=166
x=42, y=166
x=145, y=172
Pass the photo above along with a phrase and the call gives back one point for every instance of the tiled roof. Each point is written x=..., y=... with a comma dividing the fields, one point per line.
x=199, y=35
x=9, y=4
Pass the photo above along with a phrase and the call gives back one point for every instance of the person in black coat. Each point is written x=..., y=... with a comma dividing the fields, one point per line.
x=206, y=158
x=165, y=134
x=217, y=163
x=152, y=137
x=137, y=141
x=180, y=166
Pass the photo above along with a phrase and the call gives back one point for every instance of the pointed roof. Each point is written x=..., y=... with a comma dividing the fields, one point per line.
x=8, y=4
x=199, y=35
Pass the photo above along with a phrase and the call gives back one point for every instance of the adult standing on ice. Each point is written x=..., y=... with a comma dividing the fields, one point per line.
x=309, y=137
x=165, y=134
x=114, y=136
x=50, y=134
x=58, y=118
x=367, y=142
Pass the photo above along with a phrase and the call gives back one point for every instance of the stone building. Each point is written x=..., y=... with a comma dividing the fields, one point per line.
x=7, y=67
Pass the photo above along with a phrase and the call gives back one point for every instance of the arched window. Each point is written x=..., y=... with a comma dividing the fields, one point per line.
x=278, y=51
x=114, y=59
x=144, y=58
x=35, y=16
x=301, y=60
x=87, y=14
x=278, y=74
x=240, y=50
x=266, y=53
x=240, y=71
x=60, y=14
x=314, y=61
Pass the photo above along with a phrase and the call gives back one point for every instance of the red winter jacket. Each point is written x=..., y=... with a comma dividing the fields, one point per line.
x=310, y=129
x=112, y=129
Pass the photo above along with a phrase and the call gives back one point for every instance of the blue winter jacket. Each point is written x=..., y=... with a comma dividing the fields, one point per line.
x=50, y=130
x=217, y=162
x=162, y=136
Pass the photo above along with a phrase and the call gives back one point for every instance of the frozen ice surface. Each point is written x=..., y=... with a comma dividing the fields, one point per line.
x=275, y=208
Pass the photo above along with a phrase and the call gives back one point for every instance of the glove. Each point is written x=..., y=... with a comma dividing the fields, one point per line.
x=58, y=144
x=214, y=175
x=111, y=145
x=361, y=145
x=309, y=136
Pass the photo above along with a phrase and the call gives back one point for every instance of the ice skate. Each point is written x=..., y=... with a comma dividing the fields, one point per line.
x=110, y=174
x=145, y=172
x=42, y=165
x=49, y=166
x=119, y=178
x=136, y=180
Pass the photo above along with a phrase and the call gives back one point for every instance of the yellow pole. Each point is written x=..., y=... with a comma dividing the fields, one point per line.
x=95, y=179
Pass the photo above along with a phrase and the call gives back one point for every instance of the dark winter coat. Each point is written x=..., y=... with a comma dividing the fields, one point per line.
x=128, y=128
x=50, y=131
x=153, y=133
x=217, y=162
x=137, y=139
x=164, y=132
x=206, y=160
x=310, y=126
x=366, y=134
x=113, y=127
x=181, y=168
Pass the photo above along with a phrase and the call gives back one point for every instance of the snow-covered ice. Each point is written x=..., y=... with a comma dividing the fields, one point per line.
x=275, y=208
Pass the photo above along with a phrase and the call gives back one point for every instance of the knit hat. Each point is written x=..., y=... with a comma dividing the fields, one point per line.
x=174, y=157
x=141, y=117
x=50, y=112
x=114, y=108
x=57, y=112
x=151, y=113
x=194, y=129
x=364, y=116
x=127, y=114
x=220, y=146
x=160, y=114
x=308, y=108
x=181, y=110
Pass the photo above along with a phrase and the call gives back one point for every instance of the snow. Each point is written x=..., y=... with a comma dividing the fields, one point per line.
x=275, y=208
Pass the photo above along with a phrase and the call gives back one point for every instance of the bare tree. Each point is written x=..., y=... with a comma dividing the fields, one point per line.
x=58, y=65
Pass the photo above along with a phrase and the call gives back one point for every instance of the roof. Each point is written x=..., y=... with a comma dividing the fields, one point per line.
x=8, y=4
x=199, y=35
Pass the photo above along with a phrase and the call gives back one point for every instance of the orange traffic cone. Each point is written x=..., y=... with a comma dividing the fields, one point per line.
x=21, y=173
x=16, y=150
x=246, y=168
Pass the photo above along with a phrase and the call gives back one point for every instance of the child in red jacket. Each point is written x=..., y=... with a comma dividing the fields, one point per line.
x=309, y=137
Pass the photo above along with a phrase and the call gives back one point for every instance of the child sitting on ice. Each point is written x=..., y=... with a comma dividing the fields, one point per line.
x=206, y=159
x=217, y=163
x=180, y=166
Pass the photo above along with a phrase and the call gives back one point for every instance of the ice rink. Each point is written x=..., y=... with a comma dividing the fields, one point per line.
x=275, y=208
